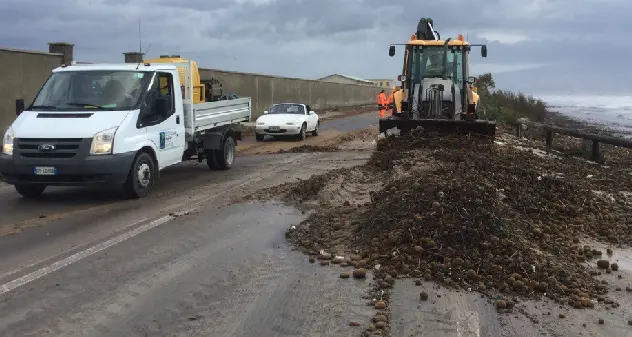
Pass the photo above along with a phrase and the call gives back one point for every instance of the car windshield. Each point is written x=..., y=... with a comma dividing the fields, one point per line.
x=92, y=89
x=295, y=109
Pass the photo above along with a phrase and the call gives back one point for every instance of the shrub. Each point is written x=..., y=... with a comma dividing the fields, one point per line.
x=507, y=106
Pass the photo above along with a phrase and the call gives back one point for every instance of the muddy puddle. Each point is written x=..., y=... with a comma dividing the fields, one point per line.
x=463, y=313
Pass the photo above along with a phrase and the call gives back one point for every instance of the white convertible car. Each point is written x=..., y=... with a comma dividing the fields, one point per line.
x=288, y=119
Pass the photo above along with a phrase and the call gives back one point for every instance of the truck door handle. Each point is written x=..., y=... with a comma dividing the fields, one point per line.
x=178, y=119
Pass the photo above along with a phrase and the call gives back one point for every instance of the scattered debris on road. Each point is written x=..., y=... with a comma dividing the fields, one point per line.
x=310, y=148
x=472, y=214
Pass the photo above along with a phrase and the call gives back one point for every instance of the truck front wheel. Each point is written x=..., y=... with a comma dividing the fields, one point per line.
x=30, y=191
x=141, y=177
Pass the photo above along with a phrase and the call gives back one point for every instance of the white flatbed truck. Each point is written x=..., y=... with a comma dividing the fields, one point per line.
x=117, y=124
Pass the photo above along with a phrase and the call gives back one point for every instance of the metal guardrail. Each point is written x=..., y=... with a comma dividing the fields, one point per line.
x=596, y=139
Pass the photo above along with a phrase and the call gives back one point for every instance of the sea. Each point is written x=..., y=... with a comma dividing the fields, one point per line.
x=612, y=114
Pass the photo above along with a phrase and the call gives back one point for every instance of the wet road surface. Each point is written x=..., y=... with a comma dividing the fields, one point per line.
x=183, y=262
x=351, y=123
x=221, y=273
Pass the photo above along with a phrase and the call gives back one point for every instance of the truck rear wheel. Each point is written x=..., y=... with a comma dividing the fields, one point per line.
x=211, y=159
x=30, y=191
x=141, y=176
x=226, y=156
x=222, y=159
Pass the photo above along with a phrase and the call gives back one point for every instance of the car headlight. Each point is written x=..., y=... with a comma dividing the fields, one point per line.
x=261, y=123
x=103, y=142
x=7, y=142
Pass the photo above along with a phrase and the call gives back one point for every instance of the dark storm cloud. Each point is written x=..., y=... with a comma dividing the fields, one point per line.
x=560, y=40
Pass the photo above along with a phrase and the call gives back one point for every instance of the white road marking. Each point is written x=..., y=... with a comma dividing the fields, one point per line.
x=9, y=286
x=14, y=271
x=81, y=255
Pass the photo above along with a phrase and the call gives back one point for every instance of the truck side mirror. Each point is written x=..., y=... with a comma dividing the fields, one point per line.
x=391, y=51
x=471, y=80
x=484, y=50
x=19, y=106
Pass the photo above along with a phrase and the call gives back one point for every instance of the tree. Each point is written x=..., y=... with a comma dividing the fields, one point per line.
x=485, y=82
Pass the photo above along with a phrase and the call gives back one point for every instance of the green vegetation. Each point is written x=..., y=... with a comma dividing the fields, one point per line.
x=506, y=106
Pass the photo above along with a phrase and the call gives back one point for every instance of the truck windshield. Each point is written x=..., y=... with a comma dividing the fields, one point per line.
x=428, y=62
x=92, y=89
x=295, y=109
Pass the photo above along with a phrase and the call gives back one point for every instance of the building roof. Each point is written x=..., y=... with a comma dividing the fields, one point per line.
x=349, y=77
x=116, y=66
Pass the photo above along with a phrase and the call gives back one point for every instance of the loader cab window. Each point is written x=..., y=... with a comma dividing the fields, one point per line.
x=427, y=62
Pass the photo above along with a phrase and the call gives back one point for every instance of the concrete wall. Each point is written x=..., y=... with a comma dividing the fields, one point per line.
x=266, y=90
x=21, y=75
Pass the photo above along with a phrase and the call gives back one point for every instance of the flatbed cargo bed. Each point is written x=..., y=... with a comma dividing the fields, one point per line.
x=205, y=116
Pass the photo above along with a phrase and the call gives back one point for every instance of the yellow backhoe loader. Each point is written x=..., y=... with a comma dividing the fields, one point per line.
x=436, y=92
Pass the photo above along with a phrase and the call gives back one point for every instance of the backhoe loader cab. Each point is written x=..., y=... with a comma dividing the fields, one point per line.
x=437, y=91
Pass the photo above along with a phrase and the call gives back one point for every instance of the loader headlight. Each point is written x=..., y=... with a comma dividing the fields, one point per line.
x=103, y=142
x=7, y=142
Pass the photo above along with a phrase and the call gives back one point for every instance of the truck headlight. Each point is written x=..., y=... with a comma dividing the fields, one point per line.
x=7, y=142
x=103, y=142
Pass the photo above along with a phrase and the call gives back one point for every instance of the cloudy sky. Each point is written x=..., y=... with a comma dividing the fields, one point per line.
x=535, y=46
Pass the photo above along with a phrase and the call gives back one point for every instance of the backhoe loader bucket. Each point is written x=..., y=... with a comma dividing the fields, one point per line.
x=481, y=127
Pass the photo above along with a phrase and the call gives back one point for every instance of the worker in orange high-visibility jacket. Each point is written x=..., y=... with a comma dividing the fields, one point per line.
x=381, y=104
x=390, y=101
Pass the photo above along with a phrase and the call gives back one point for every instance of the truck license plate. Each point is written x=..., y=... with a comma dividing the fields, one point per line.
x=274, y=128
x=45, y=171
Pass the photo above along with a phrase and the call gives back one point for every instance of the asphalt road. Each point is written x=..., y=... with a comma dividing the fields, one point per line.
x=183, y=262
x=338, y=125
x=351, y=123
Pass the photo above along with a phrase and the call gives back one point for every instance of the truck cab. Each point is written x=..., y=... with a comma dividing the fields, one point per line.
x=111, y=124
